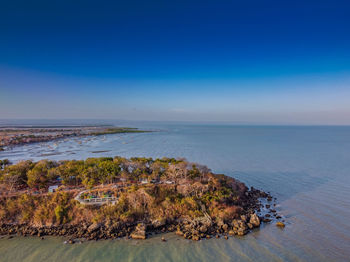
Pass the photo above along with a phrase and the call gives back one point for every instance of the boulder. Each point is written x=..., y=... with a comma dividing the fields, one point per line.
x=250, y=225
x=203, y=229
x=232, y=232
x=179, y=233
x=235, y=223
x=280, y=224
x=241, y=232
x=158, y=222
x=195, y=237
x=244, y=218
x=139, y=232
x=187, y=235
x=93, y=227
x=254, y=220
x=195, y=232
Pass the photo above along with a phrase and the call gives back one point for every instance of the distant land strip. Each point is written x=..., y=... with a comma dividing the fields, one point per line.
x=12, y=136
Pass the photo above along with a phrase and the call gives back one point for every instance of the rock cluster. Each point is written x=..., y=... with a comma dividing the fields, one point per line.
x=204, y=228
x=194, y=229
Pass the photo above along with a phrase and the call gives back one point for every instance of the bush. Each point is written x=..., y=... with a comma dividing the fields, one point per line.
x=60, y=214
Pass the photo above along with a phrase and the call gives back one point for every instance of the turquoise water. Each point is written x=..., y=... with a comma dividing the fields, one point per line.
x=306, y=168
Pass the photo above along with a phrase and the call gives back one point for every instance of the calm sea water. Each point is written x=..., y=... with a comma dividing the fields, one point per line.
x=306, y=168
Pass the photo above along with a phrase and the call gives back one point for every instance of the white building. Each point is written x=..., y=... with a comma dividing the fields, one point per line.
x=53, y=189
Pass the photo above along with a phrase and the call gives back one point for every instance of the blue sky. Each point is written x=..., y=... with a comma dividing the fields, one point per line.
x=235, y=61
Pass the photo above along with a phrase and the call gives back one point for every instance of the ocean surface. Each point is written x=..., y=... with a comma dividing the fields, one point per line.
x=306, y=168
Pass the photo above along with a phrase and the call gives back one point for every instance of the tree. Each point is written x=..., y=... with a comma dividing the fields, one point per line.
x=108, y=171
x=60, y=213
x=38, y=176
x=15, y=176
x=177, y=171
x=4, y=163
x=70, y=172
x=13, y=180
x=194, y=172
x=90, y=176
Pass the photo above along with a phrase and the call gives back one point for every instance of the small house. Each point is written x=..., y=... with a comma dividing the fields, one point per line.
x=53, y=189
x=144, y=181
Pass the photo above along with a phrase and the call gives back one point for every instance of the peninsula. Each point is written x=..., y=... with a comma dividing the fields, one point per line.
x=11, y=136
x=106, y=198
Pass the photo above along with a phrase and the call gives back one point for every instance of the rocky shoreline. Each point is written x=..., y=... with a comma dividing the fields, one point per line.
x=194, y=229
x=144, y=196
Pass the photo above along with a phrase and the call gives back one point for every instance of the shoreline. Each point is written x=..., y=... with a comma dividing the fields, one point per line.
x=13, y=136
x=191, y=229
x=143, y=196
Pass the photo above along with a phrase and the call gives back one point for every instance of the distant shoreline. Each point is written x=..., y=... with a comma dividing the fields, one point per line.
x=14, y=136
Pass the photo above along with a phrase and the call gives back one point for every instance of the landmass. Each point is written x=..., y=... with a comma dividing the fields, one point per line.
x=12, y=136
x=107, y=198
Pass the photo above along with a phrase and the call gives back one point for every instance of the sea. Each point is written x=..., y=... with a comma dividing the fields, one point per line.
x=307, y=168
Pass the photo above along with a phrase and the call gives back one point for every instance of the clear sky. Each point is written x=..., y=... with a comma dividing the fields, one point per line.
x=279, y=62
